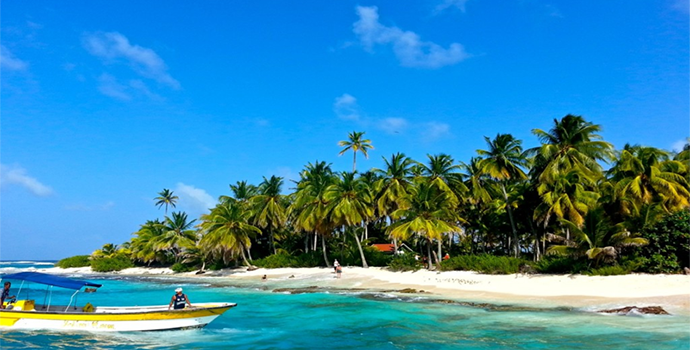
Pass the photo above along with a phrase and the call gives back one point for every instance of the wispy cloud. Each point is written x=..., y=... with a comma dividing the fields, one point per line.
x=16, y=175
x=447, y=4
x=393, y=125
x=194, y=198
x=108, y=85
x=678, y=145
x=345, y=107
x=9, y=62
x=408, y=47
x=115, y=47
x=432, y=131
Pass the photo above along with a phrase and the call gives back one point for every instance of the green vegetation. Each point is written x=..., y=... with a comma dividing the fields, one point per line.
x=115, y=263
x=74, y=261
x=488, y=264
x=554, y=208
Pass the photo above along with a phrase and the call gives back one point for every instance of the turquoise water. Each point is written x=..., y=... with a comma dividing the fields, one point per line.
x=267, y=320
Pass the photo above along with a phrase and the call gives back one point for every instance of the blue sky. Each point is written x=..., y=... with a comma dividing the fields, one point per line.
x=104, y=104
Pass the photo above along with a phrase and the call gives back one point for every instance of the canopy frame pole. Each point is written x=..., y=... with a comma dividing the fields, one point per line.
x=70, y=301
x=51, y=297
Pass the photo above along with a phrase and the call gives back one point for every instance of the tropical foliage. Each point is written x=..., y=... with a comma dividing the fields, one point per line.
x=571, y=204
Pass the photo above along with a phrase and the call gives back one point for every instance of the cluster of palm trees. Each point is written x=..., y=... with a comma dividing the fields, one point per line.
x=553, y=199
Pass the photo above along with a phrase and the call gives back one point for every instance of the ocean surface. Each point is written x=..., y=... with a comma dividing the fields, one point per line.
x=343, y=320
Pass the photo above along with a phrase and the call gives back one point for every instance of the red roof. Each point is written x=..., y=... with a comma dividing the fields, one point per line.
x=388, y=248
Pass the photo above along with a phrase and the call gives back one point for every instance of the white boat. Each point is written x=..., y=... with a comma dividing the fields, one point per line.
x=26, y=314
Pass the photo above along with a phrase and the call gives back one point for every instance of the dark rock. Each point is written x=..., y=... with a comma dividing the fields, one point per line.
x=252, y=268
x=310, y=289
x=647, y=310
x=200, y=272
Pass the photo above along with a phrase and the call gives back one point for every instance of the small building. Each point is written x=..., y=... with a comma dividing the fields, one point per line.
x=386, y=248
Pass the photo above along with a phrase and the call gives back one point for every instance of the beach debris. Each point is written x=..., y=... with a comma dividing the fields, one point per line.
x=632, y=310
x=686, y=270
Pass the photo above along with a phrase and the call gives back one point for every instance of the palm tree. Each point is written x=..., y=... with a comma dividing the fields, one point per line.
x=597, y=238
x=227, y=232
x=350, y=204
x=504, y=161
x=166, y=198
x=567, y=197
x=269, y=211
x=107, y=251
x=177, y=235
x=241, y=192
x=571, y=143
x=309, y=207
x=443, y=173
x=356, y=144
x=143, y=246
x=647, y=175
x=392, y=188
x=429, y=215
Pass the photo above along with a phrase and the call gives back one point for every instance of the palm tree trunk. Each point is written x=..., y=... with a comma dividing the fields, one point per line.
x=270, y=234
x=428, y=254
x=512, y=222
x=361, y=252
x=323, y=247
x=439, y=254
x=244, y=258
x=316, y=240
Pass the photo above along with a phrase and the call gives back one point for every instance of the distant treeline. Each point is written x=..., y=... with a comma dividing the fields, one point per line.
x=552, y=208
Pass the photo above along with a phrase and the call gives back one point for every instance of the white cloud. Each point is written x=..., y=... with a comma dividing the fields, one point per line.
x=678, y=145
x=194, y=198
x=393, y=125
x=346, y=107
x=410, y=50
x=113, y=46
x=108, y=85
x=9, y=62
x=446, y=4
x=435, y=130
x=16, y=175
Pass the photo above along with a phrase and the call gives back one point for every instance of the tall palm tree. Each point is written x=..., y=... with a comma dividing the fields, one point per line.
x=227, y=232
x=392, y=189
x=568, y=196
x=647, y=175
x=309, y=208
x=443, y=173
x=166, y=198
x=241, y=192
x=356, y=144
x=268, y=207
x=504, y=161
x=573, y=142
x=349, y=204
x=177, y=235
x=429, y=215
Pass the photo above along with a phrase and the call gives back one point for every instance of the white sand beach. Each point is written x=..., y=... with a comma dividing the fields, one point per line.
x=672, y=292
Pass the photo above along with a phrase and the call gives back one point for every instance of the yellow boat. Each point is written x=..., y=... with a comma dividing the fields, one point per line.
x=26, y=314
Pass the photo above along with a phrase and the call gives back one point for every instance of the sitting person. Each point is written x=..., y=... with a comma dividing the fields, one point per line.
x=6, y=295
x=179, y=300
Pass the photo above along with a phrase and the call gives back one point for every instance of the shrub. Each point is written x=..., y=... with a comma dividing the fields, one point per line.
x=668, y=250
x=74, y=261
x=180, y=267
x=311, y=259
x=404, y=262
x=489, y=264
x=560, y=264
x=608, y=271
x=115, y=263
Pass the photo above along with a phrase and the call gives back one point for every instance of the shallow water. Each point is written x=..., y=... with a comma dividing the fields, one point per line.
x=348, y=320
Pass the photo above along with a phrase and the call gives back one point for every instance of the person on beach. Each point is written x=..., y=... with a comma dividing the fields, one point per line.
x=6, y=294
x=446, y=257
x=264, y=278
x=180, y=300
x=336, y=264
x=338, y=271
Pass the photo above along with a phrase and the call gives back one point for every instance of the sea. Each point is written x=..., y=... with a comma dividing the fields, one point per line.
x=346, y=319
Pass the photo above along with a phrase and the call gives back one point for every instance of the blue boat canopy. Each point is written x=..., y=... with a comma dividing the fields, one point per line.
x=50, y=280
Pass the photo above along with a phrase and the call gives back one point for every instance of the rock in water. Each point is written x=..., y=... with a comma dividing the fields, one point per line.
x=646, y=310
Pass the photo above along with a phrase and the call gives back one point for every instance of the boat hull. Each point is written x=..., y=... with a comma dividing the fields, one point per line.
x=116, y=319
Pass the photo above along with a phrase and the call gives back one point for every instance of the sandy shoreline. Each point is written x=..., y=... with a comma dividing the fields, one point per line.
x=596, y=292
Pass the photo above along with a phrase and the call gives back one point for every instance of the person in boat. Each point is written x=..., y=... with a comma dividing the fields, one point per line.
x=179, y=300
x=6, y=294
